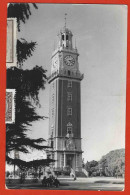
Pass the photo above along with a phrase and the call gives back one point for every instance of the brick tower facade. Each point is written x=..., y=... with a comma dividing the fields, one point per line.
x=65, y=105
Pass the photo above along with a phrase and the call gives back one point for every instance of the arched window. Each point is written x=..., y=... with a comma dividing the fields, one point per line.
x=62, y=37
x=69, y=72
x=52, y=143
x=69, y=128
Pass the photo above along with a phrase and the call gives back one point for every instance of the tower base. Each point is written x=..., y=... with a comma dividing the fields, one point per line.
x=67, y=160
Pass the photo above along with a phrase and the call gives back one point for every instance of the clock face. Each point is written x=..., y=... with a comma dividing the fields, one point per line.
x=69, y=60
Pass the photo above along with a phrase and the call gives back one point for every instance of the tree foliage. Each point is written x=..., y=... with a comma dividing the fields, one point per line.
x=21, y=11
x=92, y=167
x=24, y=50
x=27, y=83
x=111, y=164
x=23, y=165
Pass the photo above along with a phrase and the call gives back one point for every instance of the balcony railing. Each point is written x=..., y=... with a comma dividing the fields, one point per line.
x=66, y=73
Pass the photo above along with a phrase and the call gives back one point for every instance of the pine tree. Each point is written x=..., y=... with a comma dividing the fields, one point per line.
x=27, y=84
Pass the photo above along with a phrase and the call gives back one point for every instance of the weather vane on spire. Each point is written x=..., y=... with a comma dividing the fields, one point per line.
x=65, y=19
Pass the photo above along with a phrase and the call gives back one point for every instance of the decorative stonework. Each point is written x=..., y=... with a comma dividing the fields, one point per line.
x=70, y=144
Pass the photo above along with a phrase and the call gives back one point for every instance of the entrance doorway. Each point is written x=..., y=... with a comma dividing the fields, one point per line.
x=70, y=161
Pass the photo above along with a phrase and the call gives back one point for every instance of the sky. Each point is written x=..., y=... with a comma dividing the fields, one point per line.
x=100, y=32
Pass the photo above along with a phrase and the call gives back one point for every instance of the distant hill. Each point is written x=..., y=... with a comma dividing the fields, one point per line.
x=111, y=164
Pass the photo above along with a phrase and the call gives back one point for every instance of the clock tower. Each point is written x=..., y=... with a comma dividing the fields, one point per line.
x=65, y=105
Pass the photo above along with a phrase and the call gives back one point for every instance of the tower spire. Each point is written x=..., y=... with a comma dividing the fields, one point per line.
x=65, y=19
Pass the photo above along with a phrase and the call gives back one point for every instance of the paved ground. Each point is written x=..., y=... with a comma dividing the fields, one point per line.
x=103, y=184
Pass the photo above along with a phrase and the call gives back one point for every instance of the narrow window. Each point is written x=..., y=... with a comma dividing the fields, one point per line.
x=52, y=129
x=62, y=37
x=69, y=130
x=52, y=143
x=69, y=83
x=69, y=111
x=69, y=96
x=69, y=72
x=67, y=37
